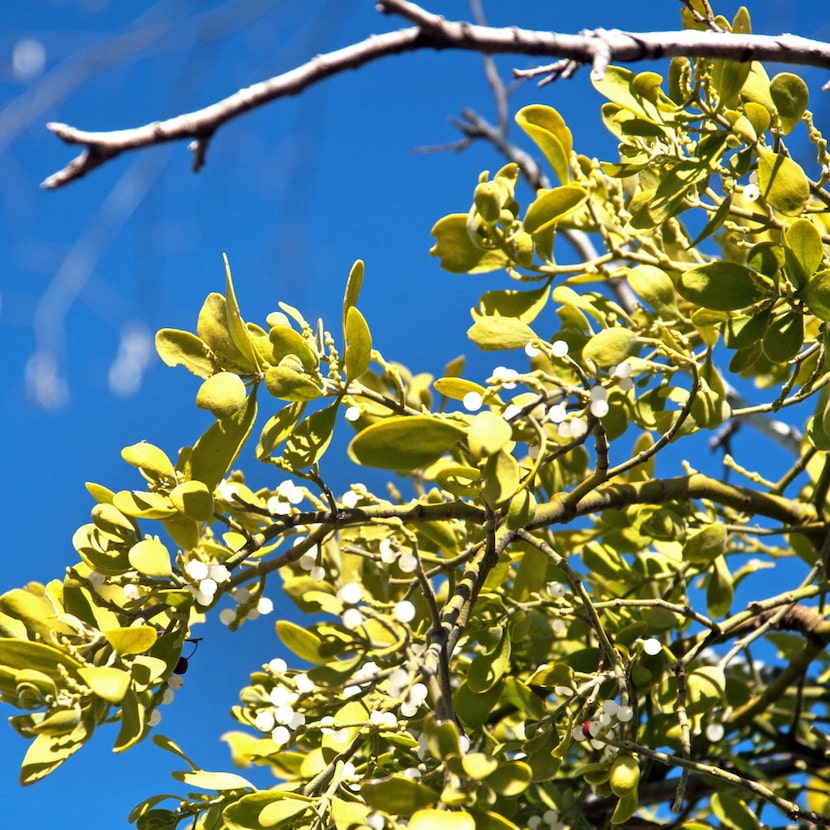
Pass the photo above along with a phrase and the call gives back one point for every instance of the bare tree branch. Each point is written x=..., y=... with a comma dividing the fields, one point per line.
x=597, y=48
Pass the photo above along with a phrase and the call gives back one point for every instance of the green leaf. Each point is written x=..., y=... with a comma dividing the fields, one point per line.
x=458, y=253
x=215, y=452
x=397, y=795
x=790, y=95
x=551, y=135
x=816, y=294
x=222, y=394
x=495, y=333
x=728, y=77
x=358, y=344
x=136, y=639
x=106, y=682
x=724, y=286
x=784, y=337
x=524, y=305
x=152, y=461
x=552, y=205
x=151, y=558
x=610, y=347
x=181, y=348
x=715, y=221
x=404, y=442
x=783, y=183
x=310, y=439
x=288, y=385
x=441, y=820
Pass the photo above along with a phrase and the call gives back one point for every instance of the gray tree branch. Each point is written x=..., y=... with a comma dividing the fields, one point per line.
x=597, y=48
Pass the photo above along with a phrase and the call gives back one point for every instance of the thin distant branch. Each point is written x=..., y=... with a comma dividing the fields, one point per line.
x=597, y=48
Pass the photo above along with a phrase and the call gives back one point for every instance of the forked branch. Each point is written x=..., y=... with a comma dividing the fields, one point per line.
x=597, y=48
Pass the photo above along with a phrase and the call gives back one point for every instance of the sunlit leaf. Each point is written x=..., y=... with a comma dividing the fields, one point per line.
x=404, y=443
x=496, y=333
x=783, y=183
x=458, y=253
x=551, y=135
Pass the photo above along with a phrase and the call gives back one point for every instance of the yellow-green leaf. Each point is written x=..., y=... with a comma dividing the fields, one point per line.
x=193, y=499
x=151, y=558
x=286, y=341
x=218, y=781
x=551, y=135
x=702, y=546
x=458, y=253
x=302, y=642
x=816, y=294
x=222, y=394
x=216, y=450
x=181, y=348
x=552, y=205
x=133, y=640
x=397, y=795
x=353, y=286
x=358, y=344
x=152, y=461
x=106, y=682
x=724, y=286
x=488, y=433
x=441, y=820
x=288, y=385
x=524, y=305
x=804, y=250
x=404, y=443
x=653, y=285
x=610, y=347
x=495, y=333
x=783, y=183
x=790, y=95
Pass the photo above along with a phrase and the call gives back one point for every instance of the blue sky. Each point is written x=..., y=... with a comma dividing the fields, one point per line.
x=293, y=194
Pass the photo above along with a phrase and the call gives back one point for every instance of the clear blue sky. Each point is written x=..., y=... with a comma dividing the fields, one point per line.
x=293, y=194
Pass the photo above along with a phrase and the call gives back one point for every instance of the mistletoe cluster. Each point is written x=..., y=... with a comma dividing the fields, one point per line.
x=537, y=626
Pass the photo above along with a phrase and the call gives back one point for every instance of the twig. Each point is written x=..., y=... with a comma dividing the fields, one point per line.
x=431, y=32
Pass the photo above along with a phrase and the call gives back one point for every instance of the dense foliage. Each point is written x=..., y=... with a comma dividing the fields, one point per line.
x=534, y=626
